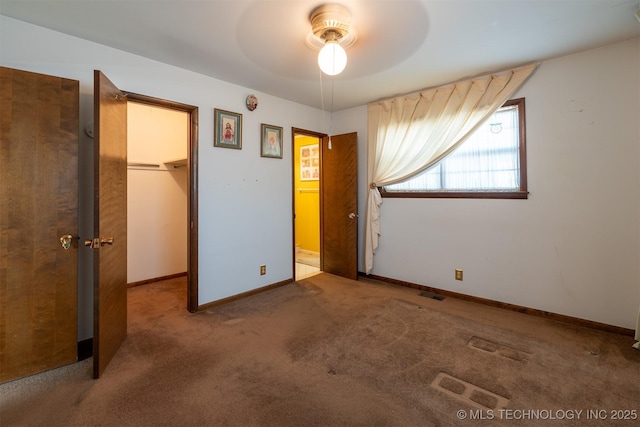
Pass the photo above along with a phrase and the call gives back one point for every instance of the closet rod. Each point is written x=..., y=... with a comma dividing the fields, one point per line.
x=144, y=165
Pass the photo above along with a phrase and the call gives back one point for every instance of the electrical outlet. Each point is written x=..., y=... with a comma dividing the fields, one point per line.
x=458, y=274
x=263, y=269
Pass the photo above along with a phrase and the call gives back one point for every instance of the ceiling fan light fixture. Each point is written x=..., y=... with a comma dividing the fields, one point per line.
x=331, y=23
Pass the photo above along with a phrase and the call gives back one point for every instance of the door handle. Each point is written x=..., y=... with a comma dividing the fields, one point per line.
x=97, y=242
x=65, y=241
x=352, y=215
x=106, y=241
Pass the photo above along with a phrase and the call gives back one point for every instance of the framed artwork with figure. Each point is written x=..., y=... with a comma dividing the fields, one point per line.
x=228, y=129
x=271, y=141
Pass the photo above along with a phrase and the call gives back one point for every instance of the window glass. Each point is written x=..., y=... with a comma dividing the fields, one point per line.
x=490, y=161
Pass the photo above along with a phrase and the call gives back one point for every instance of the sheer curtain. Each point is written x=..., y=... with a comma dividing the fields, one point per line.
x=488, y=160
x=406, y=135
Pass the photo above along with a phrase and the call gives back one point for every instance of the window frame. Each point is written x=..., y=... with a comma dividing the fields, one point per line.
x=521, y=193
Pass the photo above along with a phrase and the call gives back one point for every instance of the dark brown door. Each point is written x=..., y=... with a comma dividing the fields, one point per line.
x=339, y=206
x=38, y=208
x=110, y=222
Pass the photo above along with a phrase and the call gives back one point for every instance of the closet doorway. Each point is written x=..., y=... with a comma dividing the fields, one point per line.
x=162, y=193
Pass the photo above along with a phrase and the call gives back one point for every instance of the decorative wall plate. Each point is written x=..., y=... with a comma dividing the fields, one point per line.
x=252, y=102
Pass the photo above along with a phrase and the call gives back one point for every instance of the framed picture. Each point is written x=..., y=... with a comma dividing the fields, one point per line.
x=271, y=141
x=228, y=129
x=310, y=162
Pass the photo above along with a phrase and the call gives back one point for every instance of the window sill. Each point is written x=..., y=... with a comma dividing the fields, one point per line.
x=455, y=194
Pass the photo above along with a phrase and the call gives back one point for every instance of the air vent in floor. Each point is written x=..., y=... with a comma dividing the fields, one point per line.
x=431, y=295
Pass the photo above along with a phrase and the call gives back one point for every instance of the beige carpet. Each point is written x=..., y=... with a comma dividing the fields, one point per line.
x=332, y=352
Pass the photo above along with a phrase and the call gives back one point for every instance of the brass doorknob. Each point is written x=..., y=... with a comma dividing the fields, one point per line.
x=65, y=241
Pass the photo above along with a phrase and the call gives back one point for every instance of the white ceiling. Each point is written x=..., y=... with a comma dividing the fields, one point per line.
x=402, y=46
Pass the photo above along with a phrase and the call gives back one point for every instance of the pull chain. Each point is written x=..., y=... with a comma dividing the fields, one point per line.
x=331, y=116
x=323, y=110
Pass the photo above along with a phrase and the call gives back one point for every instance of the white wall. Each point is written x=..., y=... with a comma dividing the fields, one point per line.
x=573, y=247
x=157, y=221
x=245, y=213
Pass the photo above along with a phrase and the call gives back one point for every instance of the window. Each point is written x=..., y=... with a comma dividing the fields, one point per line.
x=491, y=163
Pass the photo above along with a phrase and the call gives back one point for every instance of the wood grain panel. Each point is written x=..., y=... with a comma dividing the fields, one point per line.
x=110, y=221
x=38, y=204
x=339, y=199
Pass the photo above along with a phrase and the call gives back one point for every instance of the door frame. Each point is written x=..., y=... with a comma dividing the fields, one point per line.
x=192, y=194
x=310, y=133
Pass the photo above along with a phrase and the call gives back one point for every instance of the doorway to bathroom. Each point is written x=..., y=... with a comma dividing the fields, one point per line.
x=306, y=160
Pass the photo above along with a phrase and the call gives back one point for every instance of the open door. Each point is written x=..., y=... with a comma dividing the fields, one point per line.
x=38, y=222
x=339, y=205
x=110, y=222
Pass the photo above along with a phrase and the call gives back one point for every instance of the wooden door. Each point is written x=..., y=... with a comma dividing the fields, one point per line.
x=38, y=205
x=339, y=205
x=110, y=222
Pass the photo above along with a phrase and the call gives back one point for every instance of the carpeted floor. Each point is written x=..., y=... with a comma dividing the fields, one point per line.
x=329, y=351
